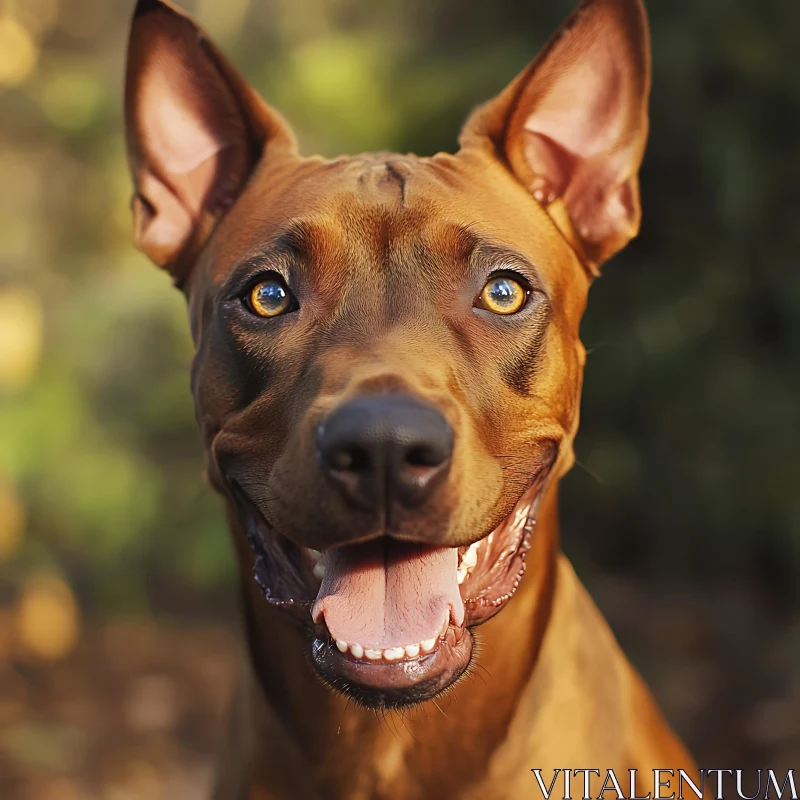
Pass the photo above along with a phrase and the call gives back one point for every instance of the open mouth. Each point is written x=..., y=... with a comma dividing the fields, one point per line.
x=389, y=621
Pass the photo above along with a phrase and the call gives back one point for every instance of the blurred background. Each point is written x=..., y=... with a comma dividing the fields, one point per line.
x=118, y=618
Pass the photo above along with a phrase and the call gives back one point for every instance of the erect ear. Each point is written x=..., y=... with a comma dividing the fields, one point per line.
x=195, y=131
x=572, y=126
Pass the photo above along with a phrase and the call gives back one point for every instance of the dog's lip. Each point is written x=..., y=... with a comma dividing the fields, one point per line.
x=279, y=567
x=382, y=684
x=286, y=552
x=284, y=570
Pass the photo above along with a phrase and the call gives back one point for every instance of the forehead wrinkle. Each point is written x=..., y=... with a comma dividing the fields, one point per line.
x=381, y=245
x=307, y=238
x=298, y=240
x=372, y=233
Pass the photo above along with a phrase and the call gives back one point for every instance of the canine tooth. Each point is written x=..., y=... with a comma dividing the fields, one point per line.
x=462, y=575
x=470, y=557
x=427, y=645
x=357, y=651
x=319, y=570
x=373, y=655
x=393, y=653
x=315, y=554
x=341, y=645
x=412, y=650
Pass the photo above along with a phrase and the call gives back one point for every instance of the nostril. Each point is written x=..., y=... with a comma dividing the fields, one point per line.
x=425, y=456
x=353, y=459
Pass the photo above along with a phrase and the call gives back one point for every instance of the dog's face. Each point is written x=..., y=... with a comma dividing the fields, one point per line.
x=388, y=365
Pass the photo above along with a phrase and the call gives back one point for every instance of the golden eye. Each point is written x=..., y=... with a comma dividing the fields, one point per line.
x=503, y=295
x=271, y=298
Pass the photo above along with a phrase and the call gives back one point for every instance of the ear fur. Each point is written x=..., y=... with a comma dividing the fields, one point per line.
x=195, y=131
x=572, y=126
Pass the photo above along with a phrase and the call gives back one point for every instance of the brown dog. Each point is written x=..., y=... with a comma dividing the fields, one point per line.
x=387, y=379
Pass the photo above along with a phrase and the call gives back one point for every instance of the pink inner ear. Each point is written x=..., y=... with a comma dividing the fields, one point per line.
x=581, y=117
x=195, y=130
x=186, y=120
x=160, y=221
x=579, y=124
x=584, y=112
x=178, y=137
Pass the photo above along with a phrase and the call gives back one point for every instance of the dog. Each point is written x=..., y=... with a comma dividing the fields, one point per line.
x=387, y=379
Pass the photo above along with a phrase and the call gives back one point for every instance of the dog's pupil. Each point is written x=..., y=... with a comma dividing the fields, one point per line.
x=271, y=296
x=504, y=292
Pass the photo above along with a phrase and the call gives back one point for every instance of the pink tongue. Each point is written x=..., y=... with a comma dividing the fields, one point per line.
x=388, y=594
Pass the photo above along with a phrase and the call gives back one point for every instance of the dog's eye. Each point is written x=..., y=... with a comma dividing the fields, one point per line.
x=271, y=297
x=503, y=295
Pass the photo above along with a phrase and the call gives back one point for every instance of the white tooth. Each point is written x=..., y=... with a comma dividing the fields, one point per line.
x=373, y=655
x=342, y=645
x=315, y=554
x=412, y=650
x=393, y=653
x=427, y=645
x=462, y=575
x=319, y=570
x=521, y=517
x=357, y=651
x=471, y=556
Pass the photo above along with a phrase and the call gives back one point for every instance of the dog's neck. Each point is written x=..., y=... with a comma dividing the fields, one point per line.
x=449, y=740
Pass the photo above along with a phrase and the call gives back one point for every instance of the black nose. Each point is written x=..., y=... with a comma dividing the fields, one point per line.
x=385, y=449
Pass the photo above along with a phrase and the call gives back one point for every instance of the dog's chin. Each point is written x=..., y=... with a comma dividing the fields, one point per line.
x=388, y=623
x=380, y=684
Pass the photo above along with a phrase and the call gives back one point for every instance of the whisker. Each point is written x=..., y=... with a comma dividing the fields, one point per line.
x=601, y=346
x=344, y=711
x=441, y=710
x=590, y=472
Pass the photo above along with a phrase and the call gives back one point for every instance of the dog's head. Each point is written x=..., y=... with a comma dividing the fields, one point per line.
x=388, y=364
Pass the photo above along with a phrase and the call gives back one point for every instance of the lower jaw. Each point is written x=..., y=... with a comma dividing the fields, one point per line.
x=393, y=685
